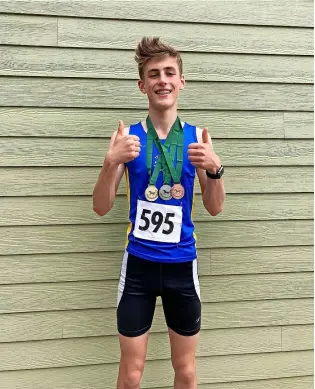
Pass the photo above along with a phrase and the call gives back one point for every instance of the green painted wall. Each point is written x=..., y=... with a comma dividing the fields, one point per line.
x=67, y=77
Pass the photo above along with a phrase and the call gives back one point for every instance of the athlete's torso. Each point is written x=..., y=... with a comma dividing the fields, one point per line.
x=158, y=248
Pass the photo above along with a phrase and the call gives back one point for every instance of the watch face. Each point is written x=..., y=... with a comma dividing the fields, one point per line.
x=220, y=171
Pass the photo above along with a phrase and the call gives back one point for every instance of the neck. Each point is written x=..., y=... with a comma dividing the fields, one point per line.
x=163, y=120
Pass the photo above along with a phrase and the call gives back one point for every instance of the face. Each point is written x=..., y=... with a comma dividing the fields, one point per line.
x=162, y=82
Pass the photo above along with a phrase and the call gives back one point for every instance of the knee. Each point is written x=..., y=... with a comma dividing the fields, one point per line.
x=132, y=379
x=185, y=373
x=132, y=376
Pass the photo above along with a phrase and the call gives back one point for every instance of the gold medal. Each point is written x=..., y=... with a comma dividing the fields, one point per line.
x=165, y=192
x=178, y=191
x=151, y=193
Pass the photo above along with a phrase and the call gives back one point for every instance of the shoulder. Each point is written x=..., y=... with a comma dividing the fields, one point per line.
x=126, y=130
x=191, y=128
x=136, y=128
x=198, y=131
x=199, y=134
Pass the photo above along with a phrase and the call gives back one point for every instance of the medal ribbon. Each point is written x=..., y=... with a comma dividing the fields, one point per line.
x=169, y=149
x=175, y=139
x=158, y=166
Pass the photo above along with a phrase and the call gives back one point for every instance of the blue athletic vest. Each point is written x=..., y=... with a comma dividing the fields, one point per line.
x=137, y=178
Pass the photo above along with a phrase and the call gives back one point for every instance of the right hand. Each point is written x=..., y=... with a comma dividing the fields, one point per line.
x=123, y=148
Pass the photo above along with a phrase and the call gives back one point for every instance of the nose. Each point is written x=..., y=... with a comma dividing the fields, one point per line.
x=162, y=78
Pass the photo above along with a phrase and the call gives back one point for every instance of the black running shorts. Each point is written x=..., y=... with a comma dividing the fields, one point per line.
x=141, y=281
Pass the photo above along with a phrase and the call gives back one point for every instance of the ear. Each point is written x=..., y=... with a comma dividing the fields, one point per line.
x=141, y=86
x=182, y=82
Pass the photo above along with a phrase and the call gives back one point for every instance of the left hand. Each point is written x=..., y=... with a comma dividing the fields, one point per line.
x=202, y=156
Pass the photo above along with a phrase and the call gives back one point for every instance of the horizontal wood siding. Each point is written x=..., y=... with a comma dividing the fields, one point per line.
x=90, y=123
x=92, y=93
x=89, y=63
x=159, y=372
x=92, y=266
x=77, y=209
x=283, y=13
x=59, y=181
x=67, y=75
x=89, y=152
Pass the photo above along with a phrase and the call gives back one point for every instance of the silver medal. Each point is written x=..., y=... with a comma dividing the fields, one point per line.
x=165, y=192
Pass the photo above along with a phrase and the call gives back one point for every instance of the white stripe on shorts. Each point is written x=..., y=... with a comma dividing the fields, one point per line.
x=196, y=279
x=122, y=280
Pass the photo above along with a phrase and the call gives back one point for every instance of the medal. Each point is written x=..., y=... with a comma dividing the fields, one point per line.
x=170, y=162
x=165, y=192
x=151, y=193
x=178, y=191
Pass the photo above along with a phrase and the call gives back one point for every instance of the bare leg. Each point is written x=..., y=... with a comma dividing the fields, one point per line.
x=183, y=350
x=133, y=354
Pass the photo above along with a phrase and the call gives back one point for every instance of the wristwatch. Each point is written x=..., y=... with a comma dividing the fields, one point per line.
x=217, y=175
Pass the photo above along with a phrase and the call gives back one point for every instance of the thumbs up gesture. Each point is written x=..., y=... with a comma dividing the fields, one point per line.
x=123, y=148
x=201, y=154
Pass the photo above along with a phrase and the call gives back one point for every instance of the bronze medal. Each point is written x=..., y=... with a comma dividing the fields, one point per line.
x=165, y=192
x=178, y=191
x=151, y=193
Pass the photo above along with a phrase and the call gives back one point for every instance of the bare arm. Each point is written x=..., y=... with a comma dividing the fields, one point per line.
x=106, y=186
x=213, y=193
x=204, y=158
x=122, y=149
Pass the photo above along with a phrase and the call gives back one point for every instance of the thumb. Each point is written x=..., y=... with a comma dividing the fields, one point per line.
x=120, y=130
x=205, y=136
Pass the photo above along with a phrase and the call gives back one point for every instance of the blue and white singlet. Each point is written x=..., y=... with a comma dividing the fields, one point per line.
x=160, y=231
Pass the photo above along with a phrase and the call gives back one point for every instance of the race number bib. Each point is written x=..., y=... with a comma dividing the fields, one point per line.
x=158, y=222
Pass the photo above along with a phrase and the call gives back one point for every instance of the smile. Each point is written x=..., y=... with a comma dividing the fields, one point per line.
x=163, y=92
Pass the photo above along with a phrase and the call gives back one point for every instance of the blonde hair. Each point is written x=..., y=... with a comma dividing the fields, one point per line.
x=149, y=48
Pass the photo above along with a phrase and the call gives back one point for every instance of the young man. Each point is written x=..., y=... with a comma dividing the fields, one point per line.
x=160, y=157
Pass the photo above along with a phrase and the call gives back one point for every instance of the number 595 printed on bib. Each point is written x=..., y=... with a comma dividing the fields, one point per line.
x=158, y=222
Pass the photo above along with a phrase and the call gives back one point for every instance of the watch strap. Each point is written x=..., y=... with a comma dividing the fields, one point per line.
x=216, y=175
